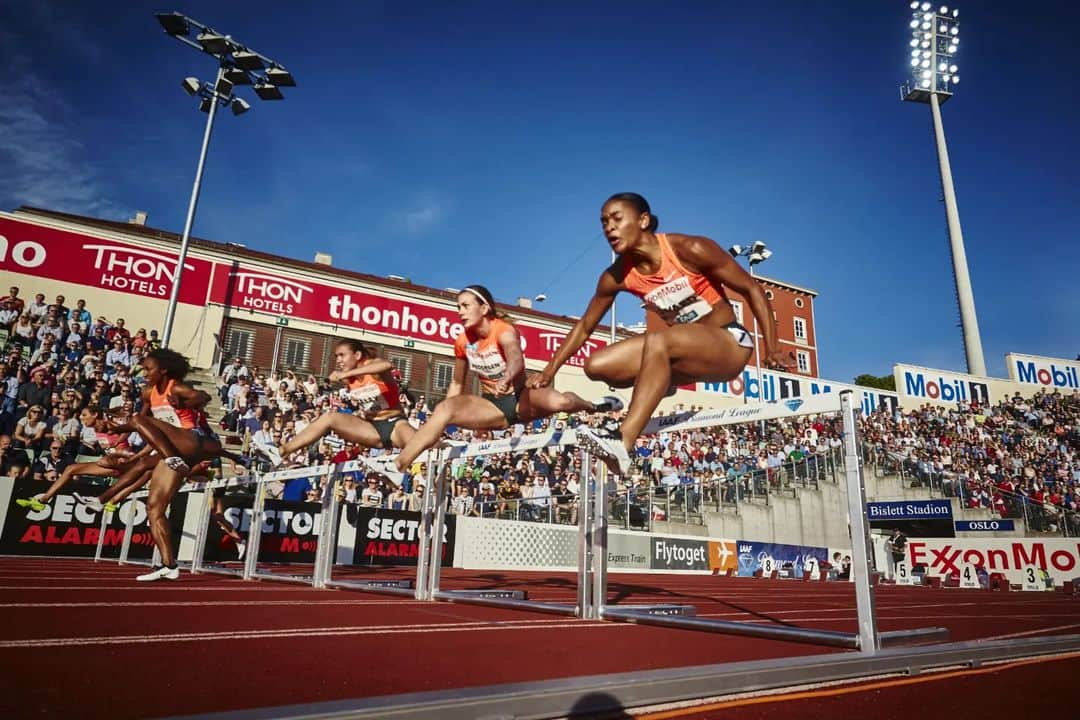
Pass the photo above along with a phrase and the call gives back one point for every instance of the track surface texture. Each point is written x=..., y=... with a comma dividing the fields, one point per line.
x=83, y=639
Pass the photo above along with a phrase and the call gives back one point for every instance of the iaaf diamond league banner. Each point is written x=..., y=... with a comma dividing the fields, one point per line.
x=392, y=537
x=751, y=555
x=66, y=528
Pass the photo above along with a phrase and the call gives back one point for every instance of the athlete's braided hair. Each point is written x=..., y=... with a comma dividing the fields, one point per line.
x=173, y=364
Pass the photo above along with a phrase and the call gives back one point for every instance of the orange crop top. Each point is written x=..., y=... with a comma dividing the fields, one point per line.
x=373, y=393
x=673, y=293
x=163, y=410
x=485, y=355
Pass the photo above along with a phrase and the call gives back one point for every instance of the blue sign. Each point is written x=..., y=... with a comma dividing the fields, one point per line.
x=752, y=553
x=985, y=526
x=909, y=510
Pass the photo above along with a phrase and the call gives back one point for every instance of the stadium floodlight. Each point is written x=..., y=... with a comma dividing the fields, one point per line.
x=237, y=65
x=173, y=23
x=540, y=298
x=934, y=89
x=266, y=91
x=247, y=60
x=756, y=253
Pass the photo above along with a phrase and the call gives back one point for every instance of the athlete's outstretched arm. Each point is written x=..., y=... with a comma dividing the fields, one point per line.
x=606, y=290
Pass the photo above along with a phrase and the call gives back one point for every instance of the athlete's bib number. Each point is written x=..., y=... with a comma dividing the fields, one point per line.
x=677, y=302
x=166, y=413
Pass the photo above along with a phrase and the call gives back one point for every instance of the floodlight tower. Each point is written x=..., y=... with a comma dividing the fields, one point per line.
x=935, y=39
x=237, y=65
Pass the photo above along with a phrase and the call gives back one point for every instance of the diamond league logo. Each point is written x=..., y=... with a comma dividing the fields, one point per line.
x=793, y=404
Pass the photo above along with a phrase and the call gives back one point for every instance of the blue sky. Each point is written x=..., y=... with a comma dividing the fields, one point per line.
x=469, y=142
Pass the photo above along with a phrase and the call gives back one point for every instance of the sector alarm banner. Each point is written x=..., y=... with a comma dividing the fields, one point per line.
x=66, y=528
x=392, y=537
x=250, y=287
x=290, y=530
x=92, y=261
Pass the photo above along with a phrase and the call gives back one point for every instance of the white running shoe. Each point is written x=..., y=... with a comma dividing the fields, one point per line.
x=89, y=501
x=384, y=465
x=607, y=442
x=271, y=452
x=609, y=403
x=241, y=548
x=161, y=573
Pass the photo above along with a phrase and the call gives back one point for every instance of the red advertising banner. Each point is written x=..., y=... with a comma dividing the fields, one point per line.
x=108, y=264
x=248, y=288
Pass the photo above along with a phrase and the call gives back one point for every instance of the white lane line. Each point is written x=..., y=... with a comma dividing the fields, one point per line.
x=206, y=603
x=1032, y=632
x=303, y=633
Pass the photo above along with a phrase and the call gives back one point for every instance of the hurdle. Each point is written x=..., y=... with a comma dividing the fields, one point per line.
x=868, y=639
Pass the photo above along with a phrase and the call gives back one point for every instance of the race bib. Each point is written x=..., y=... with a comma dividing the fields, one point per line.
x=676, y=302
x=166, y=413
x=487, y=363
x=369, y=397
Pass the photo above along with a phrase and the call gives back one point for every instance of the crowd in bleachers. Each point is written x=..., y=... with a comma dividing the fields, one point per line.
x=1019, y=458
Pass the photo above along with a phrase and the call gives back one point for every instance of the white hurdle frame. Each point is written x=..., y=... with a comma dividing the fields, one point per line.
x=868, y=639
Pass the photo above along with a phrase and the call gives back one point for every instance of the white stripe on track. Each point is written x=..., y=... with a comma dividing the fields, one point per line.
x=302, y=633
x=1032, y=632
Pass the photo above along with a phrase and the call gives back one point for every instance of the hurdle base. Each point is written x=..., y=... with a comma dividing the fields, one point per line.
x=671, y=610
x=388, y=587
x=496, y=594
x=828, y=638
x=893, y=638
x=301, y=579
x=464, y=596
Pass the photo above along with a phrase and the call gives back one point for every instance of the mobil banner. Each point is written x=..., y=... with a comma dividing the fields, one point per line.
x=289, y=532
x=392, y=537
x=676, y=553
x=918, y=386
x=942, y=557
x=66, y=528
x=793, y=557
x=1033, y=371
x=773, y=386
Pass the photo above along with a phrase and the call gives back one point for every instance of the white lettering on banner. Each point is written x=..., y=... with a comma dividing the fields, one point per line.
x=342, y=307
x=269, y=293
x=280, y=522
x=141, y=264
x=25, y=253
x=908, y=510
x=400, y=529
x=1029, y=373
x=775, y=386
x=944, y=557
x=64, y=509
x=553, y=340
x=681, y=554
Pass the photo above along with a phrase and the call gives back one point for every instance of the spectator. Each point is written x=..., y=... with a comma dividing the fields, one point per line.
x=371, y=495
x=16, y=301
x=81, y=315
x=34, y=392
x=118, y=353
x=60, y=310
x=31, y=431
x=118, y=330
x=8, y=315
x=48, y=465
x=38, y=309
x=463, y=503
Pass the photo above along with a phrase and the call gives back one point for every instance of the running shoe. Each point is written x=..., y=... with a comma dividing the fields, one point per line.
x=241, y=548
x=33, y=503
x=609, y=403
x=384, y=465
x=174, y=462
x=271, y=452
x=110, y=507
x=161, y=573
x=89, y=501
x=608, y=442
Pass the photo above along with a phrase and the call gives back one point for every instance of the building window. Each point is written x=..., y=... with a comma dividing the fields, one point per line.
x=296, y=353
x=803, y=358
x=403, y=363
x=444, y=374
x=238, y=343
x=736, y=306
x=800, y=330
x=799, y=302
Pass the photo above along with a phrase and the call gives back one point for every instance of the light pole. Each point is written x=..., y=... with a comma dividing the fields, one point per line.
x=934, y=42
x=756, y=253
x=237, y=65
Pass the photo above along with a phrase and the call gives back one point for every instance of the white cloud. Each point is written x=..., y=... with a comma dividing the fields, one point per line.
x=420, y=219
x=43, y=159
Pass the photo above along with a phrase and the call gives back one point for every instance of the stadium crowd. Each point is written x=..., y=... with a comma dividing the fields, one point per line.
x=1018, y=458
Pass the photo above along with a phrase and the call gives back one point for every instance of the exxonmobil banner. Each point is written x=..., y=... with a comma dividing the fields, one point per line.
x=249, y=287
x=1043, y=372
x=943, y=556
x=779, y=386
x=66, y=528
x=108, y=264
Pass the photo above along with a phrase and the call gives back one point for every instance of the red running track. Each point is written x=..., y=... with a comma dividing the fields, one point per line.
x=83, y=639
